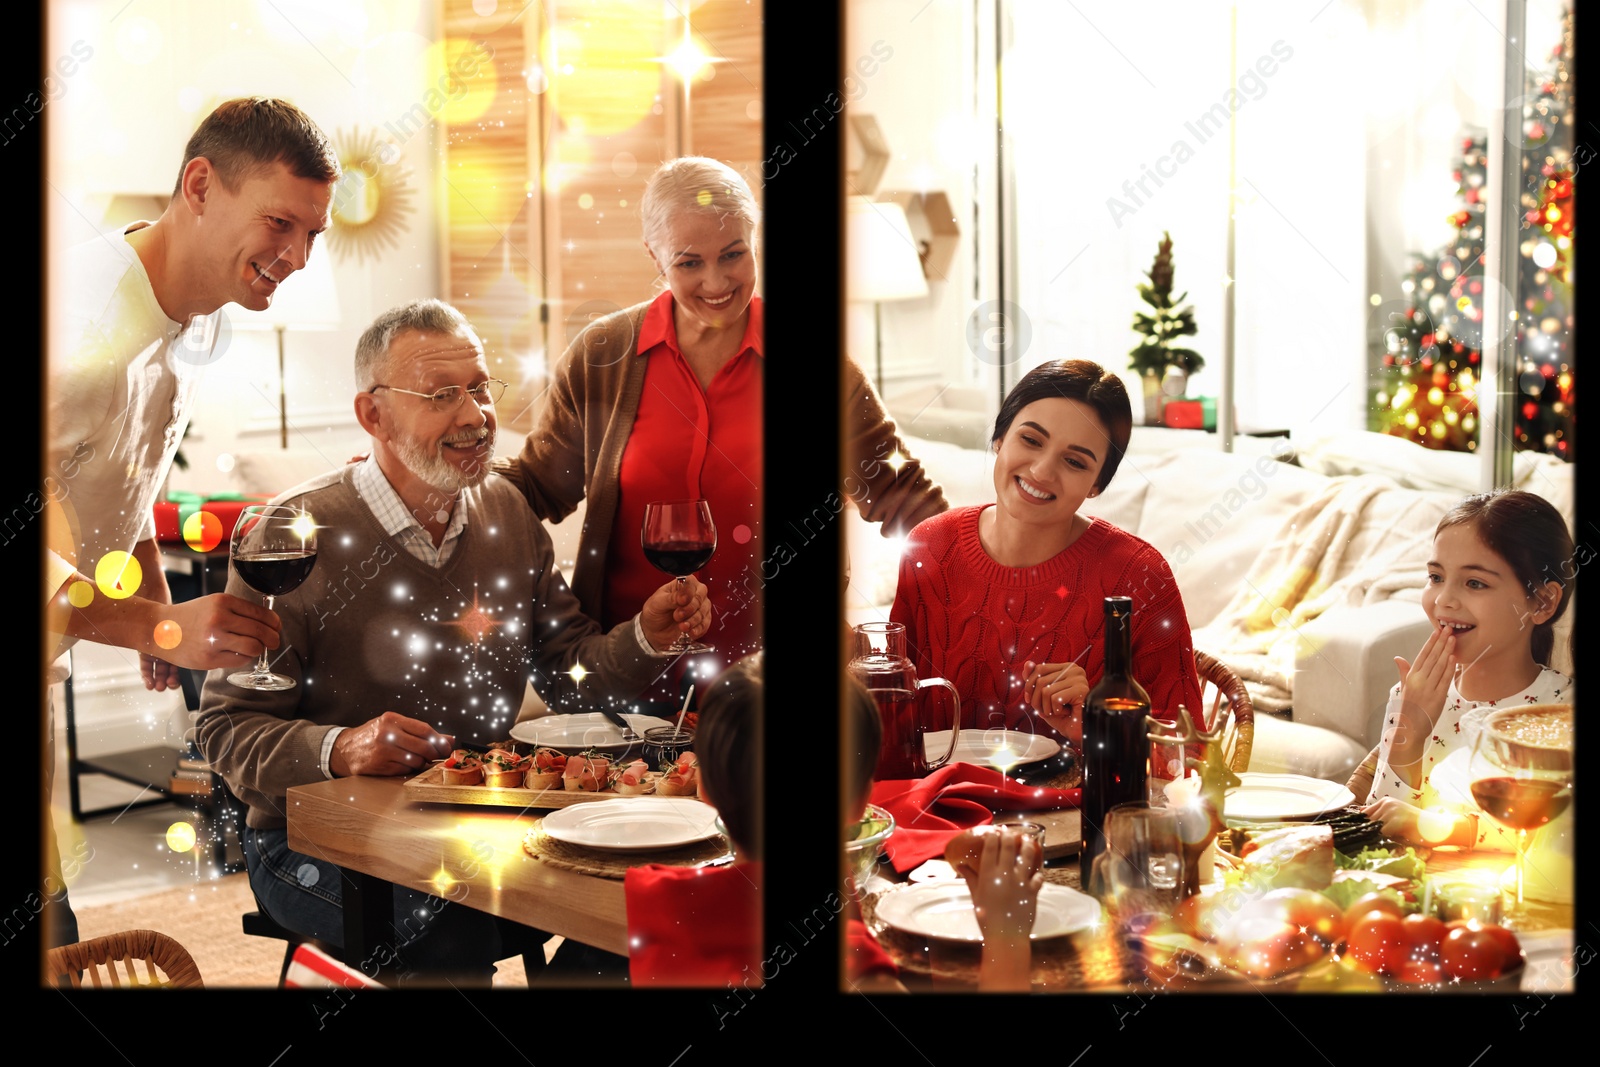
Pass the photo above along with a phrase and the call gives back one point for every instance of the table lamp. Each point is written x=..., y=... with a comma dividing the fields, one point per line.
x=882, y=263
x=307, y=300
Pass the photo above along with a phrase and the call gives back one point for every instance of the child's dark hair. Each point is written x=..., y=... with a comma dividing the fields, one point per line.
x=727, y=747
x=1527, y=532
x=864, y=735
x=1082, y=380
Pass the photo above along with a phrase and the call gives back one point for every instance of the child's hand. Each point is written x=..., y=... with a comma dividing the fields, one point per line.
x=1425, y=683
x=1399, y=819
x=1005, y=895
x=1403, y=822
x=1005, y=889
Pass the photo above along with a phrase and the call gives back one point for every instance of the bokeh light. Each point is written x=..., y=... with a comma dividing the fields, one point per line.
x=463, y=75
x=80, y=595
x=180, y=837
x=169, y=634
x=202, y=531
x=118, y=575
x=607, y=77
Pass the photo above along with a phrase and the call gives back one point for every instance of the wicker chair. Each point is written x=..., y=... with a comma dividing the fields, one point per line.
x=167, y=964
x=1237, y=739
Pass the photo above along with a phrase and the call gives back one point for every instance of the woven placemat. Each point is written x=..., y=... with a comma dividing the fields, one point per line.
x=541, y=846
x=1089, y=960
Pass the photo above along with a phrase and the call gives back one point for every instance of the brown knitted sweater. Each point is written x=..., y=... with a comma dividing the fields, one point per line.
x=374, y=629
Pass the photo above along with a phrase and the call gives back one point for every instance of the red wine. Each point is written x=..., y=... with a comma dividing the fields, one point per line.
x=679, y=557
x=1522, y=803
x=1116, y=744
x=275, y=573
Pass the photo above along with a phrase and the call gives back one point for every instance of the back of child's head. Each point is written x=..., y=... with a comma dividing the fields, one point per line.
x=864, y=737
x=727, y=748
x=1526, y=531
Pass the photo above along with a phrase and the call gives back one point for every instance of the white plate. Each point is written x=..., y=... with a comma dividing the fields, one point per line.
x=1284, y=796
x=944, y=910
x=633, y=824
x=578, y=733
x=997, y=748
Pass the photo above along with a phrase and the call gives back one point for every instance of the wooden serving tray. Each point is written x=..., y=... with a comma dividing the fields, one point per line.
x=429, y=786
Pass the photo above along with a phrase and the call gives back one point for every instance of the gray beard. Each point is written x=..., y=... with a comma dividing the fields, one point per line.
x=435, y=470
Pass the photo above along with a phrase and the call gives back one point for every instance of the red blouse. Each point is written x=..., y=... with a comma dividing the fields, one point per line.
x=689, y=443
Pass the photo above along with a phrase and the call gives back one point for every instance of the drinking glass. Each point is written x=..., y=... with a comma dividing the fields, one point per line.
x=1140, y=874
x=1521, y=774
x=273, y=550
x=679, y=538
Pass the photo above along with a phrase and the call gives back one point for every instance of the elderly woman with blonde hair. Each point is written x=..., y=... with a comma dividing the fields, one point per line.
x=663, y=401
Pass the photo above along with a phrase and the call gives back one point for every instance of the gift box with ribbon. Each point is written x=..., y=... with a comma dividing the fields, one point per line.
x=201, y=522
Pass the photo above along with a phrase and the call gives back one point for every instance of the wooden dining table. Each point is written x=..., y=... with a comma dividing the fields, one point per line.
x=381, y=836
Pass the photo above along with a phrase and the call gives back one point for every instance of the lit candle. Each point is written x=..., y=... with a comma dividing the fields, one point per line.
x=1183, y=791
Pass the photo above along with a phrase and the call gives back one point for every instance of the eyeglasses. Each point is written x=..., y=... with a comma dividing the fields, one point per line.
x=449, y=398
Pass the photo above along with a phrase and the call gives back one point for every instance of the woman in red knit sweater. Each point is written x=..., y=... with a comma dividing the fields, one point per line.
x=1006, y=599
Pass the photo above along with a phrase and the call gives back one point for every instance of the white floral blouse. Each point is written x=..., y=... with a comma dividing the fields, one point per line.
x=1444, y=774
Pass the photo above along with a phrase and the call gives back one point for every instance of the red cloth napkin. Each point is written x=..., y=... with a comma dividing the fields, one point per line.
x=929, y=811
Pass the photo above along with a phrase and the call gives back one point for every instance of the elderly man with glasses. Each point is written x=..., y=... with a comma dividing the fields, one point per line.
x=434, y=598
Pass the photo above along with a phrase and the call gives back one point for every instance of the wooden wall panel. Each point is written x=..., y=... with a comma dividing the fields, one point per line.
x=542, y=229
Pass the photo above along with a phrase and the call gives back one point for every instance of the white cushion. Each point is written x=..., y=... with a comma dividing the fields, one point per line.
x=1284, y=747
x=270, y=473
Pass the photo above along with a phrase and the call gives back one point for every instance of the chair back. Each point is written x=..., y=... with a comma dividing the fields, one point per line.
x=112, y=961
x=1219, y=683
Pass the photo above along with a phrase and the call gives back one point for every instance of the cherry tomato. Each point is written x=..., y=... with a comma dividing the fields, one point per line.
x=1423, y=935
x=1472, y=953
x=1508, y=942
x=1377, y=943
x=1421, y=972
x=1372, y=902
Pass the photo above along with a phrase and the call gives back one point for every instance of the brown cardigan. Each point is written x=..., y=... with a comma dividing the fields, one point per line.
x=574, y=452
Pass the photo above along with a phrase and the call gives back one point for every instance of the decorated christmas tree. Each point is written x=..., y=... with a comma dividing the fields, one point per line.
x=1431, y=367
x=1165, y=322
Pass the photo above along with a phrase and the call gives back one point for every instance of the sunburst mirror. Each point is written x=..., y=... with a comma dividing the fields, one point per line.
x=373, y=196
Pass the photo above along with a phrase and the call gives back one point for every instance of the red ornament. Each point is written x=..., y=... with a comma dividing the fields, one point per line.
x=1476, y=287
x=1427, y=340
x=1562, y=190
x=1470, y=359
x=1388, y=359
x=1548, y=370
x=1472, y=196
x=1529, y=410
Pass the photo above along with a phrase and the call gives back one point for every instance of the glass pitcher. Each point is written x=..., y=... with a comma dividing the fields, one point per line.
x=878, y=660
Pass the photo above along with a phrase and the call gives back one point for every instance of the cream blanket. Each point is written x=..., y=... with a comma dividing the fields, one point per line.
x=1336, y=549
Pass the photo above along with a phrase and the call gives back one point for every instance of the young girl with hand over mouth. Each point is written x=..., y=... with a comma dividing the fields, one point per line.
x=1500, y=576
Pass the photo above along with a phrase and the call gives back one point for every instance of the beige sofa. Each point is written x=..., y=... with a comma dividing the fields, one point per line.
x=1301, y=567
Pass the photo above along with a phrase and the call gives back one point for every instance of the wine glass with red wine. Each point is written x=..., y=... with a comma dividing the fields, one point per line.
x=273, y=550
x=679, y=538
x=1521, y=773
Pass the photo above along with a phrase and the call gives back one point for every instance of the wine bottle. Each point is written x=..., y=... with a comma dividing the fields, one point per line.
x=1116, y=744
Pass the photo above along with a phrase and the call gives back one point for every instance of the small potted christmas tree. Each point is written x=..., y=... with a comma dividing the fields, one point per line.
x=1156, y=354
